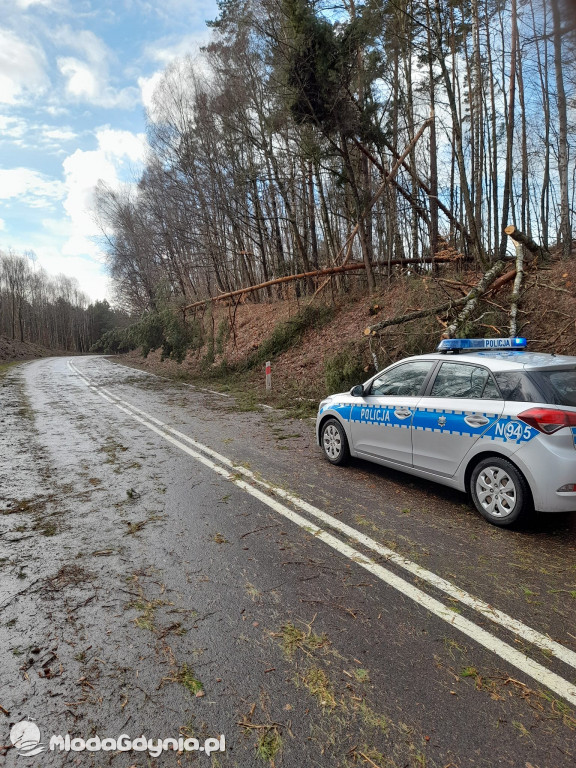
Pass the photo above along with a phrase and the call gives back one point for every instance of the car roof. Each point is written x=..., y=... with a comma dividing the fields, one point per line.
x=504, y=360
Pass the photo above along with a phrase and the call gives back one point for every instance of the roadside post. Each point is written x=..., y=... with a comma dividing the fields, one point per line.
x=268, y=376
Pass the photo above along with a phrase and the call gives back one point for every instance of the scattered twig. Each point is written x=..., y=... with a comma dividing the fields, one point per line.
x=257, y=530
x=554, y=288
x=367, y=759
x=21, y=592
x=81, y=605
x=555, y=339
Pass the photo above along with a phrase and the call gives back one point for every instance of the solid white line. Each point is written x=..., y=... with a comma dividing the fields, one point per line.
x=498, y=617
x=536, y=671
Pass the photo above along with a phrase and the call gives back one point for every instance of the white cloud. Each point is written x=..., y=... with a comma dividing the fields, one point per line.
x=58, y=134
x=2, y=225
x=122, y=144
x=93, y=280
x=83, y=171
x=87, y=77
x=21, y=67
x=82, y=83
x=193, y=12
x=167, y=50
x=30, y=187
x=12, y=127
x=89, y=83
x=55, y=110
x=147, y=87
x=83, y=41
x=25, y=4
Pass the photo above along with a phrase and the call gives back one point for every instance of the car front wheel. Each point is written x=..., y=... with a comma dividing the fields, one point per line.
x=334, y=442
x=499, y=491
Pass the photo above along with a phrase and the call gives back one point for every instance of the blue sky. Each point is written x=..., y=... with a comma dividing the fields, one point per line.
x=76, y=77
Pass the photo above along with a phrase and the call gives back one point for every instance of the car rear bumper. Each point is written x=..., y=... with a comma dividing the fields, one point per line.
x=548, y=466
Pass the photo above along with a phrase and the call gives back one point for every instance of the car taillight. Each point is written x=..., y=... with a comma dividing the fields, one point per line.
x=548, y=420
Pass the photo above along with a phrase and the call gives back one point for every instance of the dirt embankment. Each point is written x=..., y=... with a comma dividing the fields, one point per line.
x=547, y=317
x=12, y=350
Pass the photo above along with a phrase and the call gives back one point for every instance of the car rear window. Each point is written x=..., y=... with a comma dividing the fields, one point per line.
x=516, y=386
x=558, y=387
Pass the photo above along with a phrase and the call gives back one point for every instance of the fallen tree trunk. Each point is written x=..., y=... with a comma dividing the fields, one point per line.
x=316, y=273
x=497, y=284
x=472, y=299
x=515, y=298
x=519, y=237
x=469, y=303
x=276, y=281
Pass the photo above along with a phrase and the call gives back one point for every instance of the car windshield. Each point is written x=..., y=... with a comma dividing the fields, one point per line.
x=557, y=386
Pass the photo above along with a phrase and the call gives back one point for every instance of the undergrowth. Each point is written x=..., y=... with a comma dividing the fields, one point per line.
x=345, y=369
x=168, y=330
x=165, y=329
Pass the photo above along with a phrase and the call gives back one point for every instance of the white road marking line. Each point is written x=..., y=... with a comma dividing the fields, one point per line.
x=498, y=617
x=532, y=668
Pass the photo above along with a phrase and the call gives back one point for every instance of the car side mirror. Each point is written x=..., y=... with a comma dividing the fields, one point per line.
x=357, y=391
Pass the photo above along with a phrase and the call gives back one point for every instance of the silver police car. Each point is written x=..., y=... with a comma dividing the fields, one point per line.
x=484, y=416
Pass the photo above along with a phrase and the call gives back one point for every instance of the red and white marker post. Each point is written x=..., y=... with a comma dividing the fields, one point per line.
x=268, y=375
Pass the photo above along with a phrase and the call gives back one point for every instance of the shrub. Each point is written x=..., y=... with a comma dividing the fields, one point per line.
x=344, y=369
x=166, y=329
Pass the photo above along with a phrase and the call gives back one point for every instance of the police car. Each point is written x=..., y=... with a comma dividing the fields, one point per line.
x=484, y=416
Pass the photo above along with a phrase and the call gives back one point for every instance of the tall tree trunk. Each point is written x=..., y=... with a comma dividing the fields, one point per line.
x=458, y=143
x=433, y=229
x=365, y=245
x=509, y=128
x=563, y=149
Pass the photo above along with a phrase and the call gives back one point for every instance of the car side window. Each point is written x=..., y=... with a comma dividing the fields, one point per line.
x=405, y=380
x=462, y=380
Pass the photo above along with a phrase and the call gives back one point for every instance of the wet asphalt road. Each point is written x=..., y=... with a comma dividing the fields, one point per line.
x=147, y=588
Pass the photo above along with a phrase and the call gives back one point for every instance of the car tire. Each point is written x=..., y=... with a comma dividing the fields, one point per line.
x=334, y=442
x=499, y=491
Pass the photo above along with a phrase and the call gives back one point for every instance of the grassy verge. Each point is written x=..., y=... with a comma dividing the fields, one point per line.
x=249, y=392
x=5, y=367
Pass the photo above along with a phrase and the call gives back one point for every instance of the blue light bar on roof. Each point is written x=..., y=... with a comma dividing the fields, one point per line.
x=451, y=345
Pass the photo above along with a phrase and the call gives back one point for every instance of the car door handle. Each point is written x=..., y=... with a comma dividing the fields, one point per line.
x=402, y=413
x=476, y=421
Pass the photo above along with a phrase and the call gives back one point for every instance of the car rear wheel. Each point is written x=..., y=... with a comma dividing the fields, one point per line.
x=334, y=442
x=499, y=491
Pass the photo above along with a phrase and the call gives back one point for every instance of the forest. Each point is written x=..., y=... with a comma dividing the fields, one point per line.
x=49, y=311
x=384, y=137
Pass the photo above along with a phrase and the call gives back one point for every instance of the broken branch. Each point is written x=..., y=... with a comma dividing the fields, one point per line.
x=469, y=303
